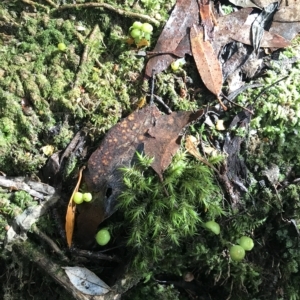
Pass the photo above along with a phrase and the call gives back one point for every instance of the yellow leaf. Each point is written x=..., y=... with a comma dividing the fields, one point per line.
x=70, y=215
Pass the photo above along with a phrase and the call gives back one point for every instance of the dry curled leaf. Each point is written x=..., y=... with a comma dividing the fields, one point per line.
x=207, y=62
x=192, y=149
x=70, y=215
x=207, y=19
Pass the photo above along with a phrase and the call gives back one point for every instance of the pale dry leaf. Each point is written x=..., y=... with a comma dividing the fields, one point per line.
x=271, y=40
x=86, y=281
x=192, y=149
x=288, y=14
x=244, y=3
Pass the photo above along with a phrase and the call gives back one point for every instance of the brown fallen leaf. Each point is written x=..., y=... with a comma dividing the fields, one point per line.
x=227, y=26
x=206, y=17
x=270, y=40
x=207, y=62
x=183, y=16
x=286, y=30
x=145, y=130
x=288, y=14
x=165, y=138
x=244, y=3
x=70, y=215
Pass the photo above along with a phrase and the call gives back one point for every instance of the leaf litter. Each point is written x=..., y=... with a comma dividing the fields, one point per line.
x=194, y=28
x=147, y=131
x=220, y=31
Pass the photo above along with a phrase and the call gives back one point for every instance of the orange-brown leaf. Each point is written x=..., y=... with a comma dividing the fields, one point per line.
x=70, y=215
x=206, y=18
x=207, y=63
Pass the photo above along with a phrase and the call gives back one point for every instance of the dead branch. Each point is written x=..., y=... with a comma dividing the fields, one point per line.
x=30, y=252
x=32, y=3
x=50, y=242
x=33, y=188
x=52, y=3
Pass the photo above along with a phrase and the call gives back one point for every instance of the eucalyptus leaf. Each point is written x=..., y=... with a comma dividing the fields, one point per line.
x=86, y=281
x=288, y=14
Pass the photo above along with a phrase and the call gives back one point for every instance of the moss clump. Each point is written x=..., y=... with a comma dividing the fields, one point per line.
x=277, y=114
x=161, y=217
x=153, y=291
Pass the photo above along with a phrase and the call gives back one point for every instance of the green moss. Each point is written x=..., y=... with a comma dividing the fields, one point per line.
x=40, y=105
x=170, y=213
x=153, y=291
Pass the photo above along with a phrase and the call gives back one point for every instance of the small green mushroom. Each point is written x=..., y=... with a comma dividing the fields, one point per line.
x=213, y=226
x=246, y=242
x=62, y=46
x=78, y=198
x=103, y=237
x=237, y=253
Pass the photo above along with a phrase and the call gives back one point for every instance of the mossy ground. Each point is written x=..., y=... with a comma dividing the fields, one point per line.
x=41, y=106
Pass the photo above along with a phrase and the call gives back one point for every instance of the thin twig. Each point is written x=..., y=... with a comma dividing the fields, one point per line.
x=94, y=255
x=117, y=10
x=152, y=87
x=248, y=110
x=50, y=242
x=268, y=87
x=52, y=3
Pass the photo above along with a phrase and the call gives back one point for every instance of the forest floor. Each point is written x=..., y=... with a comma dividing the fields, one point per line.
x=69, y=73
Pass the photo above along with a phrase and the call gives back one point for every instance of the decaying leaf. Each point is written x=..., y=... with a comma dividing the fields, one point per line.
x=227, y=27
x=236, y=170
x=191, y=148
x=288, y=14
x=244, y=3
x=286, y=30
x=262, y=22
x=70, y=215
x=207, y=63
x=206, y=17
x=165, y=139
x=270, y=40
x=263, y=3
x=183, y=16
x=86, y=281
x=144, y=130
x=286, y=21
